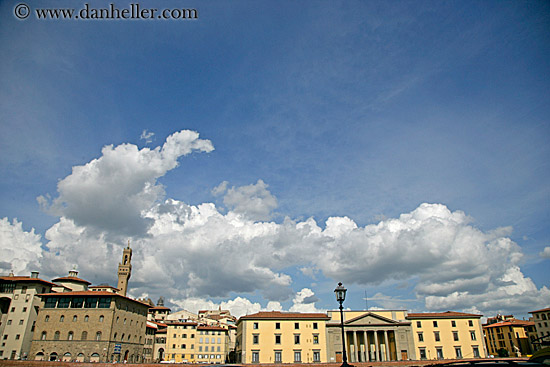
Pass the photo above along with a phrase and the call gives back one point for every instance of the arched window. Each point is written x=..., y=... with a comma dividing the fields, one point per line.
x=129, y=337
x=117, y=318
x=43, y=337
x=98, y=336
x=62, y=318
x=86, y=318
x=101, y=318
x=84, y=335
x=124, y=321
x=122, y=337
x=75, y=318
x=47, y=318
x=114, y=336
x=56, y=335
x=70, y=335
x=94, y=357
x=67, y=357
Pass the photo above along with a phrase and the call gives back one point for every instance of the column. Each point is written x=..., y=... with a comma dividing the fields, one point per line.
x=376, y=346
x=366, y=353
x=388, y=354
x=355, y=349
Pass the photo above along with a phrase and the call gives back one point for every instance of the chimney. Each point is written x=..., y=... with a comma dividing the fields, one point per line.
x=34, y=274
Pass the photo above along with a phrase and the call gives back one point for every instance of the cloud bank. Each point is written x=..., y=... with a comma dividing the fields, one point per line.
x=193, y=253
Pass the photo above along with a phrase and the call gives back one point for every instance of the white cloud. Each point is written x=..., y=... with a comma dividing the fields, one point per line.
x=200, y=252
x=21, y=251
x=253, y=201
x=111, y=192
x=545, y=254
x=147, y=136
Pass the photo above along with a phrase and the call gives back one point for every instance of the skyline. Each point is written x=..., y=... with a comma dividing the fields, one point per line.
x=255, y=157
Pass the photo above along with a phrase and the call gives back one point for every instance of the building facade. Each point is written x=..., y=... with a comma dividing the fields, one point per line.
x=370, y=336
x=282, y=337
x=89, y=326
x=447, y=335
x=181, y=342
x=541, y=318
x=19, y=306
x=509, y=337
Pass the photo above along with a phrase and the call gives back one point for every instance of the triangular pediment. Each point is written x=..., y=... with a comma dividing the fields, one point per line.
x=370, y=318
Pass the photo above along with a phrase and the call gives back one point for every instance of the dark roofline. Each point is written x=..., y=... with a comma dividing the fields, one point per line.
x=71, y=279
x=91, y=294
x=27, y=279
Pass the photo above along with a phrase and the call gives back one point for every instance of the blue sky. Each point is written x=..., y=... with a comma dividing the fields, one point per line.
x=360, y=111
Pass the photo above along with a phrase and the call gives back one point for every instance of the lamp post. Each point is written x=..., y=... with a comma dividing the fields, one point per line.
x=340, y=293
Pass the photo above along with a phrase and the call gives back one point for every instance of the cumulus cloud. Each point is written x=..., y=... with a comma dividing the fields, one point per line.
x=200, y=252
x=545, y=254
x=21, y=251
x=147, y=136
x=111, y=192
x=252, y=201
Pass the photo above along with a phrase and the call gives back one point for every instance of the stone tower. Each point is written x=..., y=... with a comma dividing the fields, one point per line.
x=125, y=270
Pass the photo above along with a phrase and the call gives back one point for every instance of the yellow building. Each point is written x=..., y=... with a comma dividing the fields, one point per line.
x=447, y=335
x=213, y=344
x=281, y=337
x=181, y=341
x=509, y=337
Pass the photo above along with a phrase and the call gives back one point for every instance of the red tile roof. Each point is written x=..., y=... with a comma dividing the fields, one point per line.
x=178, y=323
x=26, y=279
x=159, y=308
x=441, y=315
x=71, y=279
x=284, y=315
x=510, y=322
x=543, y=310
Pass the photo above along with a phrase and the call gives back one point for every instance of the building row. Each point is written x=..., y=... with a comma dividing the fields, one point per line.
x=68, y=319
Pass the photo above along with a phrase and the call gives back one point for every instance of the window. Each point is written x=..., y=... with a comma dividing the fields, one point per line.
x=315, y=338
x=255, y=339
x=278, y=339
x=439, y=352
x=104, y=302
x=9, y=322
x=278, y=356
x=47, y=318
x=458, y=352
x=316, y=356
x=86, y=318
x=476, y=352
x=56, y=335
x=64, y=302
x=455, y=336
x=277, y=325
x=17, y=337
x=50, y=302
x=77, y=302
x=420, y=337
x=20, y=322
x=255, y=356
x=98, y=336
x=296, y=338
x=62, y=318
x=472, y=334
x=75, y=318
x=296, y=325
x=24, y=309
x=419, y=324
x=24, y=289
x=101, y=318
x=435, y=323
x=436, y=335
x=124, y=322
x=453, y=323
x=422, y=353
x=255, y=325
x=315, y=326
x=90, y=302
x=470, y=323
x=43, y=336
x=84, y=335
x=297, y=356
x=70, y=335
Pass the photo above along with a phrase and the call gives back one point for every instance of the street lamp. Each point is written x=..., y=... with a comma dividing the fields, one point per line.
x=340, y=293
